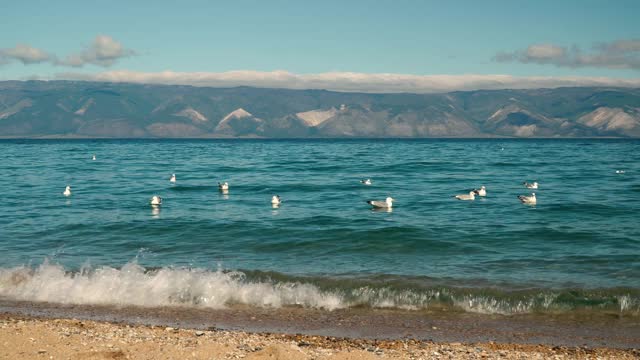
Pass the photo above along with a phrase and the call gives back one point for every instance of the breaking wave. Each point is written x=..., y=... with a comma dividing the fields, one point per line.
x=133, y=285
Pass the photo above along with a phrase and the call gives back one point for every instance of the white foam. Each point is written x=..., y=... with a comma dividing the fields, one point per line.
x=132, y=285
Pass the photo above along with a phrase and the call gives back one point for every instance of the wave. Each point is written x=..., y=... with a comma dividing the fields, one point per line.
x=134, y=285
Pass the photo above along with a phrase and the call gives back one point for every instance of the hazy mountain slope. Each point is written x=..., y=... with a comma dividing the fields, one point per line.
x=69, y=108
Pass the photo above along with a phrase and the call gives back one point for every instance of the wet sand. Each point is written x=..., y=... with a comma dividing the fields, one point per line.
x=43, y=331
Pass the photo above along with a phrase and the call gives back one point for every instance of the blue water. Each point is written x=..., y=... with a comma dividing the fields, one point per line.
x=578, y=248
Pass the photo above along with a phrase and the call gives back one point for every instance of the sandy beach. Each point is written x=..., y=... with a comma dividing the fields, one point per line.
x=34, y=338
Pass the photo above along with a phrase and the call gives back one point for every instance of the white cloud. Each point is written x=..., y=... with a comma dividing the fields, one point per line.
x=104, y=51
x=620, y=54
x=620, y=46
x=25, y=54
x=545, y=51
x=348, y=81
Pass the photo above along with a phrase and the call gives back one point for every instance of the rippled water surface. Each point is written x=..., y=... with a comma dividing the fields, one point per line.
x=324, y=246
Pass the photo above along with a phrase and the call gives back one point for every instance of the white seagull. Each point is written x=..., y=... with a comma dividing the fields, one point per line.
x=156, y=200
x=619, y=171
x=533, y=185
x=528, y=199
x=275, y=200
x=94, y=157
x=471, y=196
x=67, y=191
x=366, y=181
x=386, y=204
x=481, y=192
x=173, y=178
x=223, y=186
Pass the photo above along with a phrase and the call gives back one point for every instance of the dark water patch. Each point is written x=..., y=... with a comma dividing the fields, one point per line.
x=197, y=188
x=590, y=208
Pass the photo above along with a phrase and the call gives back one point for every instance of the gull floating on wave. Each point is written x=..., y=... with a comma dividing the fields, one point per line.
x=94, y=157
x=67, y=191
x=275, y=200
x=366, y=181
x=386, y=204
x=619, y=171
x=533, y=185
x=173, y=178
x=223, y=186
x=156, y=200
x=481, y=192
x=528, y=199
x=471, y=196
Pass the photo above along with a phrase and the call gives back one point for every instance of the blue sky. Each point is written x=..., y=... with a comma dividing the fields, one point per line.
x=303, y=37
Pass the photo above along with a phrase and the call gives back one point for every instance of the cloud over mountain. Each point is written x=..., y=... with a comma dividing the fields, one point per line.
x=104, y=52
x=25, y=54
x=349, y=81
x=619, y=54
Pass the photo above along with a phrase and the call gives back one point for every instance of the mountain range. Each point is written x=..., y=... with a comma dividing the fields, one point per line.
x=122, y=110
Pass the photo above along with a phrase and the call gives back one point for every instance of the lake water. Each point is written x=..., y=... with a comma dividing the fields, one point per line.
x=577, y=250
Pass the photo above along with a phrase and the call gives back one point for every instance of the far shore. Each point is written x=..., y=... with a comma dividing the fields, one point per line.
x=223, y=137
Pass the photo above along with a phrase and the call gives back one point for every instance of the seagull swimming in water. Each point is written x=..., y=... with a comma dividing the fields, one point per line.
x=366, y=181
x=619, y=171
x=470, y=196
x=386, y=204
x=223, y=186
x=533, y=185
x=275, y=200
x=173, y=178
x=528, y=199
x=481, y=192
x=94, y=157
x=156, y=200
x=67, y=191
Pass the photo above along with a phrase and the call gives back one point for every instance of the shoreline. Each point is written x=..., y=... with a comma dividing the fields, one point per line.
x=357, y=325
x=27, y=337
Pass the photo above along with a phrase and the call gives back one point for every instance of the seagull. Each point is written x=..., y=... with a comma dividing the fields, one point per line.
x=471, y=196
x=94, y=157
x=533, y=185
x=275, y=200
x=387, y=204
x=481, y=192
x=619, y=171
x=528, y=199
x=156, y=200
x=67, y=191
x=223, y=186
x=173, y=178
x=366, y=181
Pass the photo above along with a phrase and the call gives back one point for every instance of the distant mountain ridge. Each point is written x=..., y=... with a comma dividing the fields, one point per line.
x=122, y=110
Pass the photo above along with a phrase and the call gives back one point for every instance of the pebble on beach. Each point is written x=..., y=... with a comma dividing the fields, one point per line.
x=63, y=339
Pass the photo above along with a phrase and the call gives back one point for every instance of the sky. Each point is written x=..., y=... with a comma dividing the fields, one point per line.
x=375, y=46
